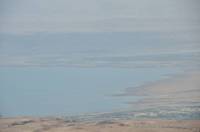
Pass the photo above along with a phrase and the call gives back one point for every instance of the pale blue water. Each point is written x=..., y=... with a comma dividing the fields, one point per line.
x=70, y=91
x=103, y=64
x=111, y=45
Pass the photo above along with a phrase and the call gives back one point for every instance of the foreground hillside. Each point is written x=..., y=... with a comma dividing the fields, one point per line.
x=28, y=124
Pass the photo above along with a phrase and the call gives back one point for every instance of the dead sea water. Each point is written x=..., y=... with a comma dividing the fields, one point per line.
x=70, y=91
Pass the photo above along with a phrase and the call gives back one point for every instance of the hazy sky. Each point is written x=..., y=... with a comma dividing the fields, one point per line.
x=122, y=33
x=32, y=16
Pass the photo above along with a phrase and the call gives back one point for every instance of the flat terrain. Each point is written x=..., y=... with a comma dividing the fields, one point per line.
x=28, y=124
x=178, y=91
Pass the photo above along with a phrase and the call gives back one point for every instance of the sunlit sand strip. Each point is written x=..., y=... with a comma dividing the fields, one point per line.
x=181, y=90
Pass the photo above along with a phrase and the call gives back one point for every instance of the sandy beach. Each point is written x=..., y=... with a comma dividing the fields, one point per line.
x=178, y=91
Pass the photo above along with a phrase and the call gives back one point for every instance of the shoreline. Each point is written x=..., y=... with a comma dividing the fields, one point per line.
x=171, y=105
x=178, y=90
